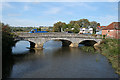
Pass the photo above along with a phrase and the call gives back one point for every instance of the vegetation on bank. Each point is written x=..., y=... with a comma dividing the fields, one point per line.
x=27, y=29
x=7, y=39
x=88, y=49
x=110, y=49
x=23, y=29
x=7, y=43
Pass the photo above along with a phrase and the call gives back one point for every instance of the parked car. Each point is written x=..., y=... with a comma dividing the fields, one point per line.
x=36, y=31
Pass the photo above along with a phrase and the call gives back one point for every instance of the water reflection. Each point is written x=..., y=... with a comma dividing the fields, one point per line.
x=21, y=47
x=55, y=61
x=7, y=65
x=52, y=44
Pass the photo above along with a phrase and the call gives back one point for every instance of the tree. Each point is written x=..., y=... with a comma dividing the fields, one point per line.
x=64, y=26
x=98, y=24
x=76, y=28
x=69, y=26
x=7, y=39
x=39, y=29
x=6, y=28
x=57, y=26
x=72, y=23
x=94, y=25
x=83, y=23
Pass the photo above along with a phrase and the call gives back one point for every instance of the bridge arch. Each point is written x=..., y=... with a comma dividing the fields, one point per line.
x=32, y=44
x=65, y=42
x=88, y=42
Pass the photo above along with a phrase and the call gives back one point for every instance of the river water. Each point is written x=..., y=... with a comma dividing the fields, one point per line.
x=55, y=61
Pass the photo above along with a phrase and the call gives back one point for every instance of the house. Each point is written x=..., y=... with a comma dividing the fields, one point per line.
x=91, y=30
x=44, y=28
x=99, y=29
x=86, y=30
x=50, y=28
x=112, y=30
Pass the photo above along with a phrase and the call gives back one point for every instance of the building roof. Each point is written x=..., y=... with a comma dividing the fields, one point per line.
x=113, y=25
x=101, y=27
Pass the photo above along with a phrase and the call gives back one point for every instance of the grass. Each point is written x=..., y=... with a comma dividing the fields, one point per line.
x=88, y=49
x=110, y=49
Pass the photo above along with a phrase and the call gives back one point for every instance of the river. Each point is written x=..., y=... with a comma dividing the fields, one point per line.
x=55, y=61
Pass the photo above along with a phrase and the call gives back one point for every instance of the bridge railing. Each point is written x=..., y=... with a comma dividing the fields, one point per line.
x=55, y=34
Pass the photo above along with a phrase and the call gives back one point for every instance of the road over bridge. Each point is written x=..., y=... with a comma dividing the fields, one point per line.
x=68, y=39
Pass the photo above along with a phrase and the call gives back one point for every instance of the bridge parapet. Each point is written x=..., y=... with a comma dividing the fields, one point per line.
x=57, y=35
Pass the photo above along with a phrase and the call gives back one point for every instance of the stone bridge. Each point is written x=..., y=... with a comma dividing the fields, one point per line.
x=68, y=39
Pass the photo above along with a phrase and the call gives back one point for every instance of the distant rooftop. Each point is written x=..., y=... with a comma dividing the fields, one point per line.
x=113, y=25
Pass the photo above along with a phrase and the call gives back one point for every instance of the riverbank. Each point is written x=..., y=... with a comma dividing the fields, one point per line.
x=110, y=49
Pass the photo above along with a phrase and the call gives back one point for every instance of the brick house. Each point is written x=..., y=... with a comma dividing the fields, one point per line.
x=112, y=30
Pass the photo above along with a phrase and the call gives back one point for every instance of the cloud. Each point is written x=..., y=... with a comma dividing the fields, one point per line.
x=104, y=20
x=36, y=3
x=53, y=10
x=26, y=7
x=113, y=0
x=69, y=13
x=60, y=0
x=6, y=5
x=0, y=16
x=108, y=19
x=26, y=22
x=80, y=4
x=13, y=15
x=0, y=11
x=19, y=22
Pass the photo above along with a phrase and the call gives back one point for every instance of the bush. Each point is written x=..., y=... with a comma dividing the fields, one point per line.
x=7, y=40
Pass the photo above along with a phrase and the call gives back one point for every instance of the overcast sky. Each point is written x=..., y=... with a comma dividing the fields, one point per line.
x=48, y=13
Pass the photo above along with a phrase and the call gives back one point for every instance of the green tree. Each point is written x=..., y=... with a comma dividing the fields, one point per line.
x=76, y=28
x=7, y=39
x=57, y=26
x=94, y=25
x=64, y=26
x=72, y=23
x=39, y=29
x=69, y=26
x=83, y=23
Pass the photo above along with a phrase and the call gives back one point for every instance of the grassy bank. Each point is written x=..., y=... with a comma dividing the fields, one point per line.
x=110, y=49
x=88, y=49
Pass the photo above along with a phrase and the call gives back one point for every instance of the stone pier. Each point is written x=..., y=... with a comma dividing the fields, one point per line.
x=73, y=45
x=39, y=46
